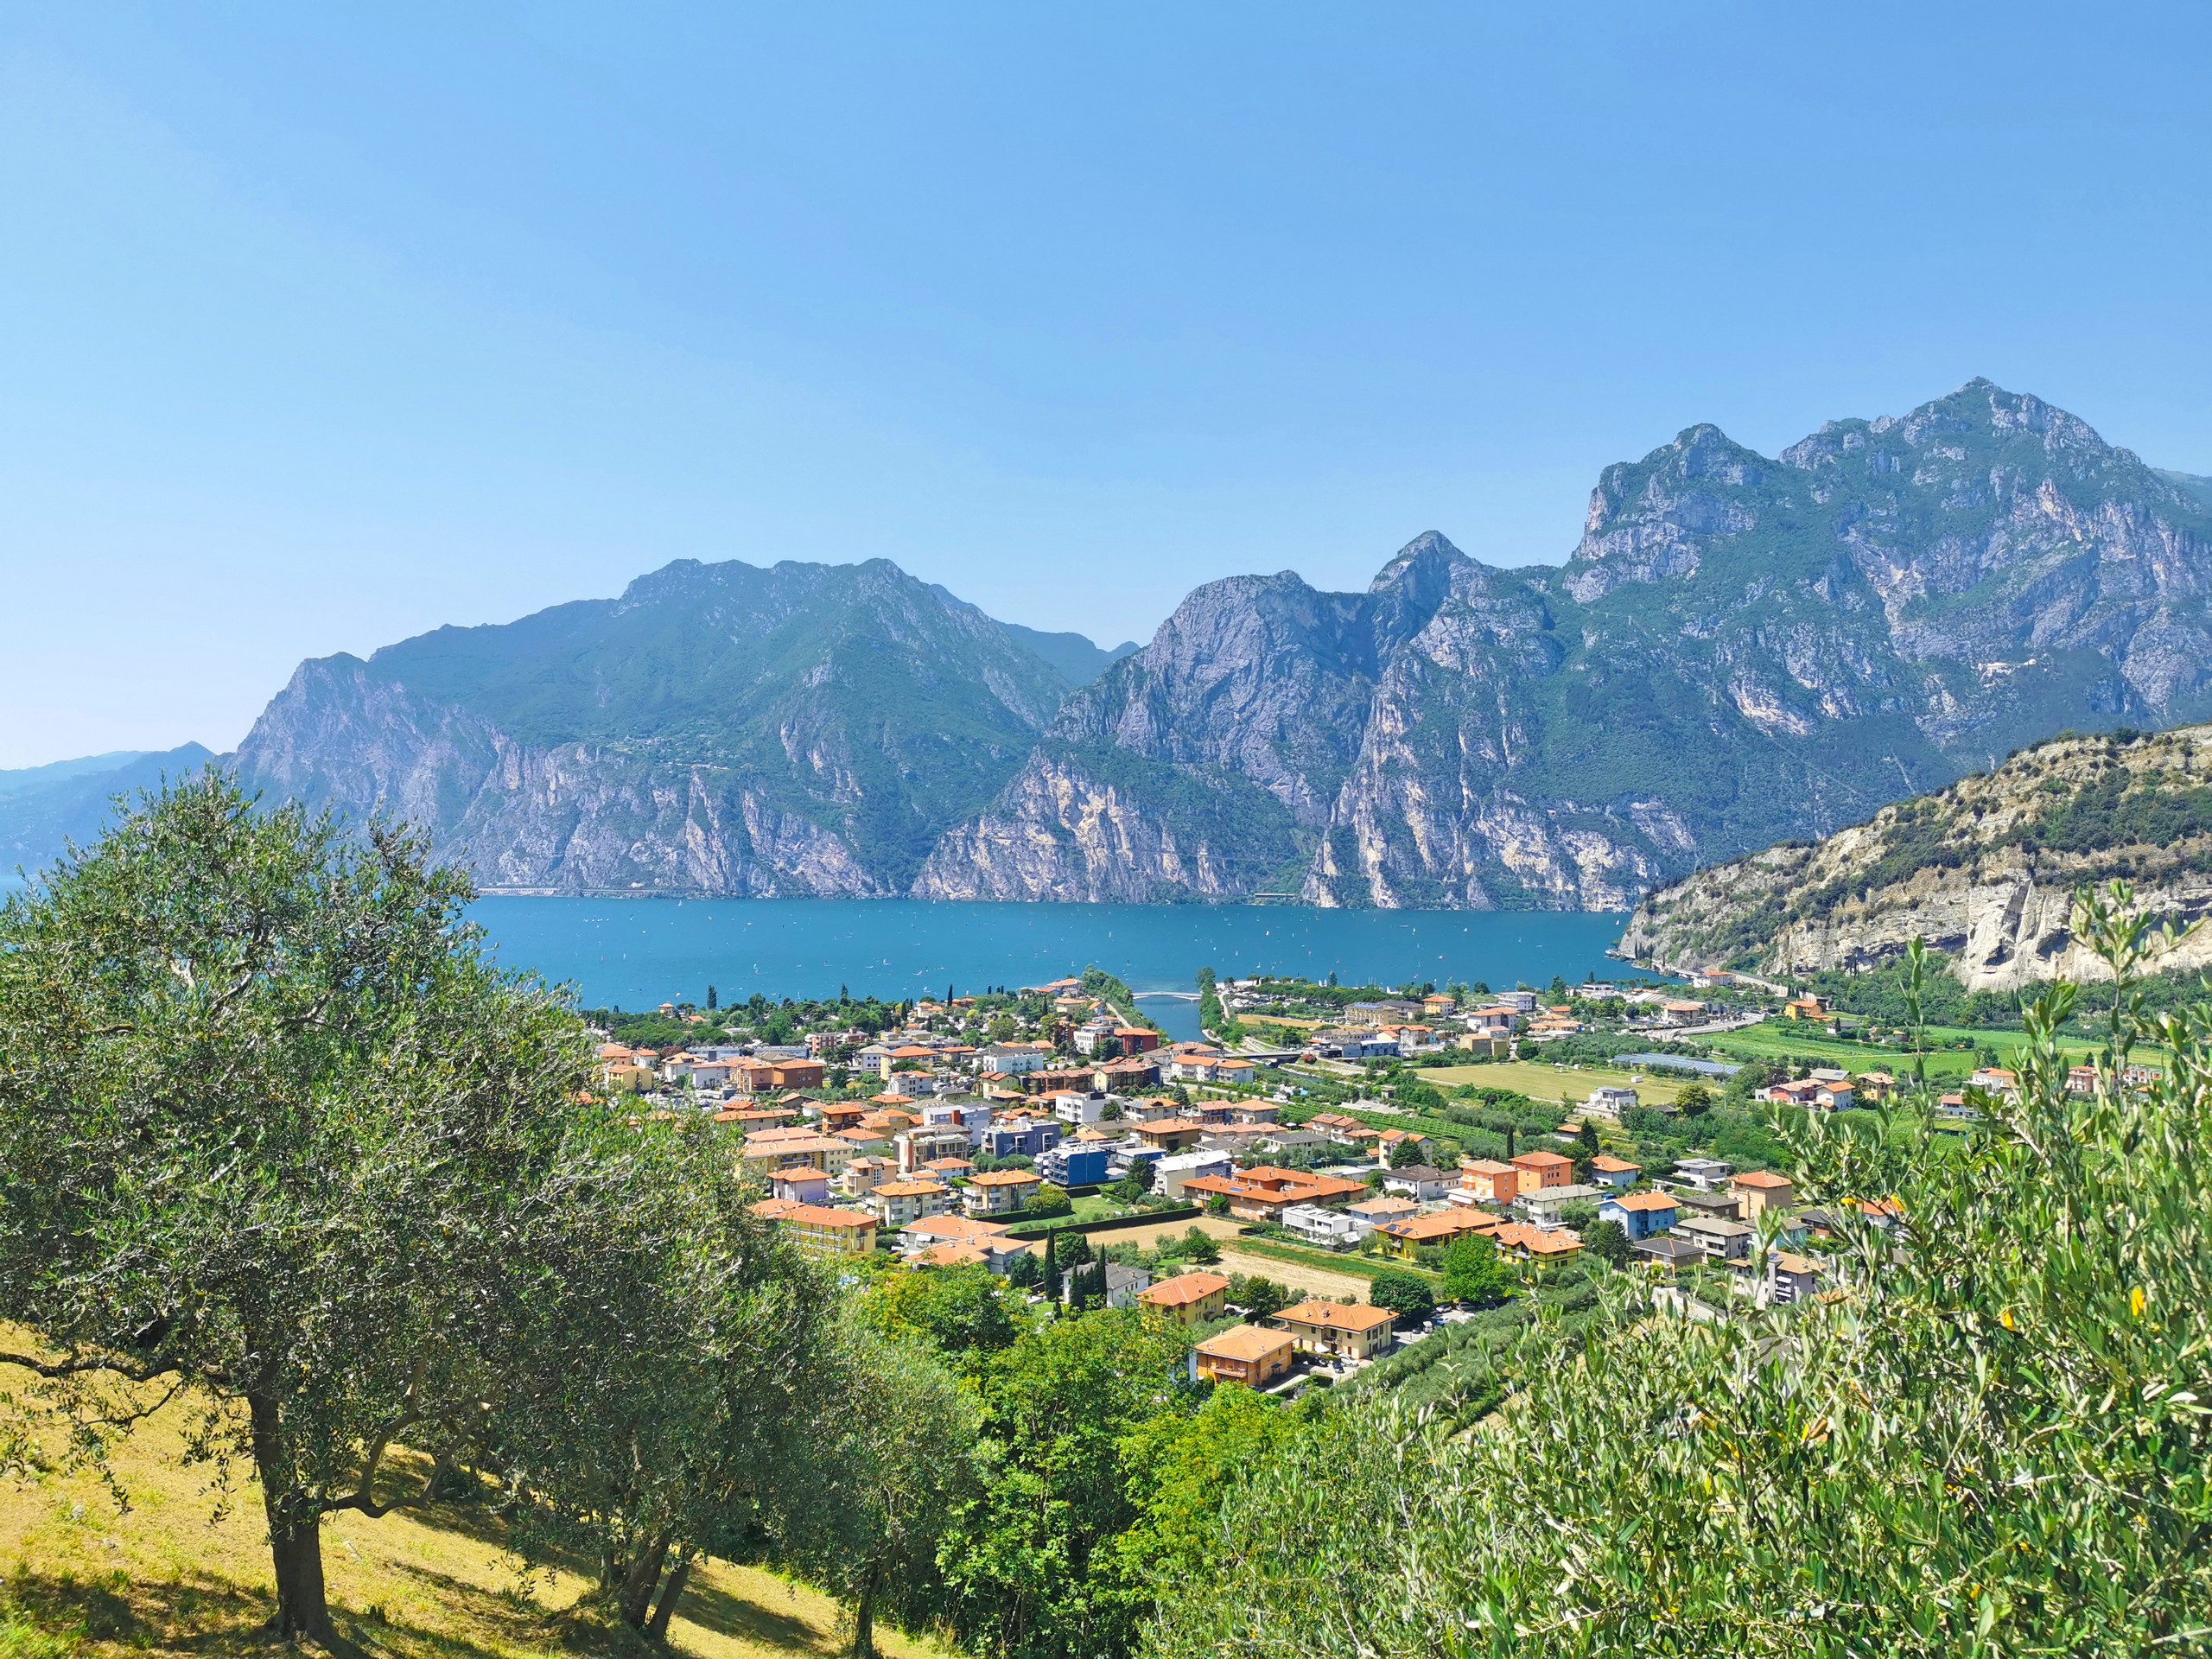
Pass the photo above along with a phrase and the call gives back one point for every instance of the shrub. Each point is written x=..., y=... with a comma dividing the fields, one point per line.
x=1410, y=1298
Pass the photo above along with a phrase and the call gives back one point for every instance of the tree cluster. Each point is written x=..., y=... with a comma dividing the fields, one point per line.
x=280, y=1141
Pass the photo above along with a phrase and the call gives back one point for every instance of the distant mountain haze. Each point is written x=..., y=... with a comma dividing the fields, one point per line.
x=42, y=809
x=1078, y=659
x=1741, y=649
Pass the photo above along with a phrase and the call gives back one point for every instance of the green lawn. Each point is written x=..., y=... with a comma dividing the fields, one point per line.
x=1540, y=1080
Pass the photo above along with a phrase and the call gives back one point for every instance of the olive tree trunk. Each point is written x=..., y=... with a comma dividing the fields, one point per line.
x=295, y=1534
x=671, y=1588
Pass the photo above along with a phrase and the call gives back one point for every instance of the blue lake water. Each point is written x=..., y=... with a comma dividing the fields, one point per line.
x=638, y=953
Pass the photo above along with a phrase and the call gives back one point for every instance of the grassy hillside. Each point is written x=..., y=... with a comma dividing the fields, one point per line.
x=185, y=1568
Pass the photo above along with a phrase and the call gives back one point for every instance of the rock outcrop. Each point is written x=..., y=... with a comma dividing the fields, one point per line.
x=1985, y=871
x=1740, y=650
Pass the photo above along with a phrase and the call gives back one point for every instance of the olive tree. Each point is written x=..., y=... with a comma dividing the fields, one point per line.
x=681, y=1397
x=275, y=1135
x=894, y=1456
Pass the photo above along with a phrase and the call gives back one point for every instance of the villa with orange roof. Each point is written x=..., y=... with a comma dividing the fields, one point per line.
x=819, y=1231
x=1548, y=1169
x=1245, y=1354
x=1758, y=1190
x=1188, y=1297
x=1520, y=1241
x=1263, y=1194
x=1408, y=1234
x=1640, y=1214
x=1339, y=1329
x=773, y=1149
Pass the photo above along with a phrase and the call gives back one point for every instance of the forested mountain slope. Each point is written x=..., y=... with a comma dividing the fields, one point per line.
x=720, y=728
x=1985, y=870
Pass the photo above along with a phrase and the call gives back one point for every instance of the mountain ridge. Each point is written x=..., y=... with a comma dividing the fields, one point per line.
x=1739, y=648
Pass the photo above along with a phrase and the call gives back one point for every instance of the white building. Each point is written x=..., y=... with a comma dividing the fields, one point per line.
x=1330, y=1227
x=1078, y=1110
x=1170, y=1174
x=1608, y=1101
x=1012, y=1059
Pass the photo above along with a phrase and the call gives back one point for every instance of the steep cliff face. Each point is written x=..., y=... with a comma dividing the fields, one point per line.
x=1985, y=871
x=807, y=730
x=1740, y=648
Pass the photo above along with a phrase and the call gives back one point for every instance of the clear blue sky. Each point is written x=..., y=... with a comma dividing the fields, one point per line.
x=321, y=326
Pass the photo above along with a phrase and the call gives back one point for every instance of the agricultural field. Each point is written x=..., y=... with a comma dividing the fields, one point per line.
x=1149, y=1233
x=1298, y=1273
x=1360, y=1270
x=1777, y=1040
x=1540, y=1081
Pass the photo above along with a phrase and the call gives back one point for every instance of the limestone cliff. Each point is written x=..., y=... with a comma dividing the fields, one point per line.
x=1985, y=871
x=1740, y=648
x=802, y=730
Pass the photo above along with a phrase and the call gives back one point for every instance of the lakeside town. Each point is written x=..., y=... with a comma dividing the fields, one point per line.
x=1332, y=1173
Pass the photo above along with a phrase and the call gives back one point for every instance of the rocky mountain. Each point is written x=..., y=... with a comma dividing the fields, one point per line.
x=805, y=729
x=43, y=809
x=1985, y=870
x=1741, y=649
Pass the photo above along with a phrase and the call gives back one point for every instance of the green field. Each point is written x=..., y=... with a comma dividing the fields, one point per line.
x=1550, y=1082
x=1778, y=1039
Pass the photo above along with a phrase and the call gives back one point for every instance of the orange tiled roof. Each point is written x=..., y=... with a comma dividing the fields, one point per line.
x=815, y=1215
x=1183, y=1290
x=1336, y=1316
x=1248, y=1344
x=951, y=1253
x=955, y=1227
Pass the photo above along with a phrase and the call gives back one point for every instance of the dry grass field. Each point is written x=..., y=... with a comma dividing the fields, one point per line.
x=171, y=1574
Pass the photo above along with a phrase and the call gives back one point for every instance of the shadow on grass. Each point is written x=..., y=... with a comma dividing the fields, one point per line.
x=716, y=1610
x=200, y=1613
x=212, y=1616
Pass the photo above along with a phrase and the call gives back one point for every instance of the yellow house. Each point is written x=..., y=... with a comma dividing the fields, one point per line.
x=1188, y=1297
x=1245, y=1354
x=819, y=1231
x=1337, y=1330
x=774, y=1149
